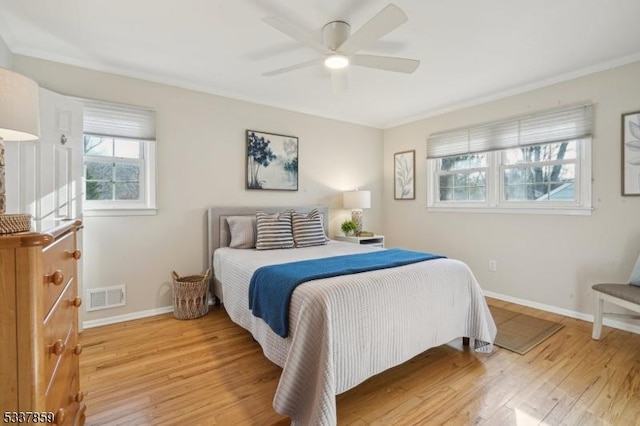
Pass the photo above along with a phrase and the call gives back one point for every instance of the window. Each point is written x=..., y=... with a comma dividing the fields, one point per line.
x=114, y=169
x=540, y=173
x=535, y=164
x=119, y=159
x=463, y=178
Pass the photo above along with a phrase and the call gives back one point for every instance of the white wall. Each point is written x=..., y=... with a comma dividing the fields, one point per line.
x=6, y=57
x=550, y=260
x=201, y=163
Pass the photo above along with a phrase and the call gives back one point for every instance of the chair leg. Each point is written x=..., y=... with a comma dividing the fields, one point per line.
x=597, y=319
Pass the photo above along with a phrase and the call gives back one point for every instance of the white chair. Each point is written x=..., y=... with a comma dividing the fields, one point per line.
x=625, y=295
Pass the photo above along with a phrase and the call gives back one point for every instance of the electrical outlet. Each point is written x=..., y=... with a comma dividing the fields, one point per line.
x=493, y=265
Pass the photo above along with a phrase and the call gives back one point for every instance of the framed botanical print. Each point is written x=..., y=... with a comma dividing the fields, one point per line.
x=404, y=164
x=631, y=153
x=272, y=161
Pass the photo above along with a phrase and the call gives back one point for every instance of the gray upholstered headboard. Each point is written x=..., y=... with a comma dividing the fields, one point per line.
x=218, y=229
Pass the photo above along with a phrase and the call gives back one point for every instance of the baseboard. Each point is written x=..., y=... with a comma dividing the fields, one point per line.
x=620, y=325
x=130, y=317
x=127, y=317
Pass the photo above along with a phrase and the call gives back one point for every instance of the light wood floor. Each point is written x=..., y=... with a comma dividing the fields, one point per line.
x=161, y=371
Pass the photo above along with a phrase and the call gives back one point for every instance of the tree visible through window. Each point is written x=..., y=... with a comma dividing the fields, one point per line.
x=545, y=172
x=119, y=159
x=523, y=164
x=540, y=172
x=463, y=178
x=114, y=169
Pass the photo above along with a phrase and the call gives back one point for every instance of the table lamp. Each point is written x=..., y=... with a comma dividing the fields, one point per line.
x=19, y=121
x=356, y=201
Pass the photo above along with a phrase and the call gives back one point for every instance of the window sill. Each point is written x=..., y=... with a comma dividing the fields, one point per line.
x=564, y=211
x=120, y=212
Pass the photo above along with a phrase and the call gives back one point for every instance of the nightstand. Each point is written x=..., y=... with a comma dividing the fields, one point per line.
x=375, y=241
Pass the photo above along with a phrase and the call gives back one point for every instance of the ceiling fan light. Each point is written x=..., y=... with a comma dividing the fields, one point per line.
x=336, y=62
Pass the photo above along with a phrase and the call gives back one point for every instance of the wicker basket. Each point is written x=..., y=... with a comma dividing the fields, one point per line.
x=190, y=296
x=12, y=223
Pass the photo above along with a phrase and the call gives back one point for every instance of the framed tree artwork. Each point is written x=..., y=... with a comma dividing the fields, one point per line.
x=404, y=164
x=631, y=153
x=272, y=161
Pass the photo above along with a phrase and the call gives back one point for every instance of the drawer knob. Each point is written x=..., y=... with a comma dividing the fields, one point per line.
x=76, y=302
x=57, y=348
x=78, y=397
x=77, y=351
x=61, y=415
x=56, y=278
x=76, y=254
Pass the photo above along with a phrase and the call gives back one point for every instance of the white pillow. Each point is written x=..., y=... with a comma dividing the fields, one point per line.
x=243, y=231
x=274, y=230
x=307, y=229
x=635, y=274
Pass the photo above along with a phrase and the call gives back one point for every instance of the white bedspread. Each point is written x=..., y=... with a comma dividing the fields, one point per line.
x=343, y=330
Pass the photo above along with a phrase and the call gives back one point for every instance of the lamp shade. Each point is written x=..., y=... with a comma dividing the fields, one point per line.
x=356, y=199
x=19, y=121
x=19, y=108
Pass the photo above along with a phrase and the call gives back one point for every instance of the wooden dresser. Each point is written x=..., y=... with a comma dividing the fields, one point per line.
x=39, y=302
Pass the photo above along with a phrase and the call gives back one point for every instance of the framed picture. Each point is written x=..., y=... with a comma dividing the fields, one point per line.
x=272, y=161
x=631, y=153
x=404, y=165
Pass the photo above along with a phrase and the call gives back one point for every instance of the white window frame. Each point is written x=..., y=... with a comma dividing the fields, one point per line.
x=123, y=122
x=469, y=204
x=495, y=202
x=146, y=205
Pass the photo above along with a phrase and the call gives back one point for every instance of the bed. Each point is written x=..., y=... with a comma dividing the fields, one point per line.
x=345, y=329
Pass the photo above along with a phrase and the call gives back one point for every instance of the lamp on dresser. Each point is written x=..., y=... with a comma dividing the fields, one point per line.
x=356, y=201
x=19, y=121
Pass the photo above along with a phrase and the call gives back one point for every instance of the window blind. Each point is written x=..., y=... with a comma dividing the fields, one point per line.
x=551, y=126
x=110, y=119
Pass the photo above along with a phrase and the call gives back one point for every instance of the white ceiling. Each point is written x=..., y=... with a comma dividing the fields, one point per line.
x=471, y=50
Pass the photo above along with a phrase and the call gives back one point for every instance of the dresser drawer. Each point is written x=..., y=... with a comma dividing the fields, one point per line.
x=63, y=396
x=60, y=333
x=59, y=264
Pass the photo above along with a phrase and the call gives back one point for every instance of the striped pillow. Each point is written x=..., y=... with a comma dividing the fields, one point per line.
x=243, y=231
x=307, y=229
x=274, y=230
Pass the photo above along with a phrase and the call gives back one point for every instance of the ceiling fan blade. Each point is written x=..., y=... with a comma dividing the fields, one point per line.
x=296, y=34
x=386, y=63
x=387, y=20
x=339, y=80
x=294, y=67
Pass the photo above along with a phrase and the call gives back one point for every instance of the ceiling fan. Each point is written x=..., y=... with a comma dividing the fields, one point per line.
x=340, y=47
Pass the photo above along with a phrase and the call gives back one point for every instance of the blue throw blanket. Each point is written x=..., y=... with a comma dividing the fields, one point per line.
x=271, y=286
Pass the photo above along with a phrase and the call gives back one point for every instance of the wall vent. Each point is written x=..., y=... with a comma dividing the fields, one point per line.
x=106, y=297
